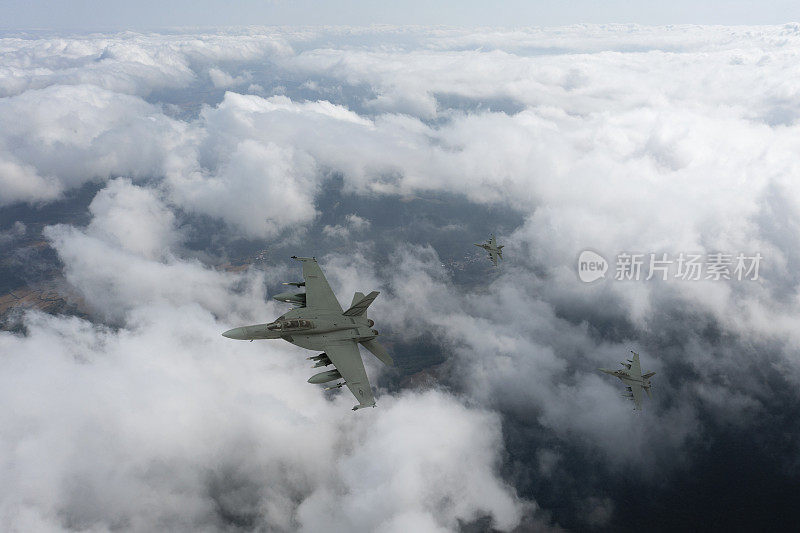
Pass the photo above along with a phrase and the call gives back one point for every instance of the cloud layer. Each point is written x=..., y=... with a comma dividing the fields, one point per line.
x=614, y=138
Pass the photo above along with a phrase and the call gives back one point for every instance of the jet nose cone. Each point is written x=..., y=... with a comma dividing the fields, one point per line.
x=235, y=333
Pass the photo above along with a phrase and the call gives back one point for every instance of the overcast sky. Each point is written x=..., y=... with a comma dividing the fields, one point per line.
x=150, y=14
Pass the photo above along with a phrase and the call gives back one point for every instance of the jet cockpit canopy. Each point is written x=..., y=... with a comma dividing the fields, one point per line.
x=283, y=325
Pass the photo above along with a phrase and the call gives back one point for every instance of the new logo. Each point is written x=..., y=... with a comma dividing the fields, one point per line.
x=591, y=266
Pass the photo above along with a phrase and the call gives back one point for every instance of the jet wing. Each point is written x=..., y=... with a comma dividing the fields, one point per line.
x=318, y=293
x=636, y=368
x=347, y=360
x=637, y=396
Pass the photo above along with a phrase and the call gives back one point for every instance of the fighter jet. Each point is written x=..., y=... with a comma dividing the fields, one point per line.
x=494, y=250
x=318, y=323
x=632, y=376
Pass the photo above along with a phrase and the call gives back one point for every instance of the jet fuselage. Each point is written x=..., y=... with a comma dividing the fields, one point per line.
x=490, y=248
x=627, y=378
x=308, y=329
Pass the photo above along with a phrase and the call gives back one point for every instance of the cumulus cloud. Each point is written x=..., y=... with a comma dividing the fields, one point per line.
x=155, y=432
x=158, y=425
x=144, y=426
x=21, y=183
x=260, y=188
x=133, y=218
x=419, y=486
x=130, y=63
x=352, y=223
x=62, y=137
x=114, y=281
x=619, y=138
x=513, y=352
x=223, y=80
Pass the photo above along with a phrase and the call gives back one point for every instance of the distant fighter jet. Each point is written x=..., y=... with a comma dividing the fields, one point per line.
x=494, y=250
x=318, y=323
x=632, y=376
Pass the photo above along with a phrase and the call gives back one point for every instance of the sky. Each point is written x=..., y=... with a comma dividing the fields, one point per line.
x=153, y=186
x=148, y=14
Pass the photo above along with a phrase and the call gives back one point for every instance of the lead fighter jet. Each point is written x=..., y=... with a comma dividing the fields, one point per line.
x=318, y=323
x=632, y=376
x=494, y=250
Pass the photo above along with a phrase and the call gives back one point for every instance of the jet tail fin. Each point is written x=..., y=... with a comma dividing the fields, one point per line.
x=356, y=297
x=359, y=307
x=378, y=351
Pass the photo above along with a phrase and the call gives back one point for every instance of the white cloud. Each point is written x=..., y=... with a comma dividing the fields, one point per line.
x=617, y=138
x=352, y=223
x=162, y=423
x=509, y=350
x=417, y=481
x=130, y=63
x=114, y=281
x=223, y=80
x=21, y=183
x=261, y=188
x=645, y=169
x=166, y=424
x=134, y=219
x=62, y=137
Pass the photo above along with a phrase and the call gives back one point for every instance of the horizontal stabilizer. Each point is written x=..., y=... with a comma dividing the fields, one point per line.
x=378, y=351
x=360, y=307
